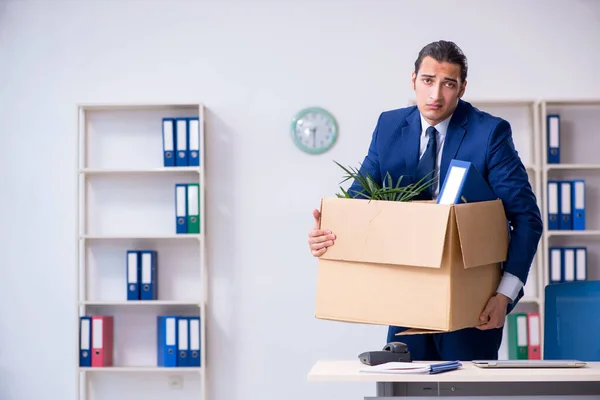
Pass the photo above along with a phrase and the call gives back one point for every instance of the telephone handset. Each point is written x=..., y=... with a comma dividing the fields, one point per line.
x=391, y=352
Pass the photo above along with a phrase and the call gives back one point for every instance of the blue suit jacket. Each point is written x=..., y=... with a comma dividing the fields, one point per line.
x=474, y=136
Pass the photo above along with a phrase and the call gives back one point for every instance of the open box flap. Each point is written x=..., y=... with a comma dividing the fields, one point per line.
x=483, y=232
x=387, y=232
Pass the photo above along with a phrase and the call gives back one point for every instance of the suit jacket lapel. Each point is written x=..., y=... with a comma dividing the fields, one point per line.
x=411, y=141
x=454, y=136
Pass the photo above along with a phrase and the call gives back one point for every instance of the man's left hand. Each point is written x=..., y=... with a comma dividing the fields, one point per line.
x=494, y=314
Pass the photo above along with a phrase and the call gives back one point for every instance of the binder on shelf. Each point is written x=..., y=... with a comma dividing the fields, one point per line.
x=181, y=208
x=168, y=133
x=578, y=204
x=555, y=264
x=565, y=214
x=166, y=341
x=102, y=340
x=149, y=275
x=194, y=141
x=193, y=208
x=568, y=263
x=195, y=351
x=85, y=341
x=464, y=184
x=133, y=275
x=553, y=205
x=517, y=336
x=581, y=267
x=553, y=127
x=181, y=129
x=533, y=336
x=183, y=347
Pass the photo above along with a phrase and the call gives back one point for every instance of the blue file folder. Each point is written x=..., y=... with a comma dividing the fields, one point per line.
x=555, y=263
x=565, y=217
x=182, y=142
x=464, y=184
x=149, y=274
x=568, y=264
x=581, y=265
x=166, y=341
x=553, y=204
x=85, y=341
x=553, y=138
x=181, y=219
x=195, y=342
x=169, y=142
x=183, y=342
x=194, y=141
x=578, y=204
x=133, y=275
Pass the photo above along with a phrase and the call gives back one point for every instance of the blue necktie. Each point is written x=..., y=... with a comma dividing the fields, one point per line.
x=426, y=166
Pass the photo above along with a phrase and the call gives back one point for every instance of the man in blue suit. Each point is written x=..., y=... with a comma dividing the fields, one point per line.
x=420, y=141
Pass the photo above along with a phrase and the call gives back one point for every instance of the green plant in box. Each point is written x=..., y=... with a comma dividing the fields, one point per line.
x=388, y=191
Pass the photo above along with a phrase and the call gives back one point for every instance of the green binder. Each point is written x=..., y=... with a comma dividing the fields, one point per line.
x=517, y=336
x=193, y=207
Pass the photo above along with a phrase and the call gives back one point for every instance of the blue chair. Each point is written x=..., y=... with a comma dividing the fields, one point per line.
x=572, y=321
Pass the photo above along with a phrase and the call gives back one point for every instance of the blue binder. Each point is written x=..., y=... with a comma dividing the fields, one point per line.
x=578, y=204
x=553, y=204
x=166, y=341
x=169, y=142
x=181, y=208
x=149, y=274
x=133, y=275
x=566, y=208
x=85, y=341
x=195, y=342
x=182, y=142
x=581, y=265
x=555, y=264
x=553, y=138
x=194, y=141
x=464, y=184
x=183, y=342
x=568, y=264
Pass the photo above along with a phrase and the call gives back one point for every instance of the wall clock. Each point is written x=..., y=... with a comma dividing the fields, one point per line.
x=314, y=130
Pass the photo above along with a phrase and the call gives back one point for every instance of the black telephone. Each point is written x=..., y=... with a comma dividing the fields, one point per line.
x=392, y=352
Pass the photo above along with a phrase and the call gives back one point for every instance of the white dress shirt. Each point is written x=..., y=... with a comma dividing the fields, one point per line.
x=509, y=285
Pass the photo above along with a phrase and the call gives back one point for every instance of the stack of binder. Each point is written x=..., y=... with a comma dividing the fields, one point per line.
x=187, y=208
x=567, y=264
x=178, y=341
x=524, y=336
x=566, y=205
x=96, y=344
x=181, y=141
x=142, y=275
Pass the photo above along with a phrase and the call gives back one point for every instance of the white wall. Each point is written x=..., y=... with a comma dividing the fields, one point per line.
x=254, y=64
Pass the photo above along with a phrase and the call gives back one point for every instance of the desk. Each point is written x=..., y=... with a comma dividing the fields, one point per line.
x=467, y=381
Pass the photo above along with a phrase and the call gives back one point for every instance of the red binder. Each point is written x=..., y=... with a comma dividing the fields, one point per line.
x=102, y=341
x=533, y=341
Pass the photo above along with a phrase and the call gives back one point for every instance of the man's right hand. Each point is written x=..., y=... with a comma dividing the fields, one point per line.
x=319, y=240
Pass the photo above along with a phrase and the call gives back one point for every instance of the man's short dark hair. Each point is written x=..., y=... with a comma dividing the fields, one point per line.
x=444, y=51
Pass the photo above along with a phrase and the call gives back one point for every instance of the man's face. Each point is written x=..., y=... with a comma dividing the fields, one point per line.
x=438, y=88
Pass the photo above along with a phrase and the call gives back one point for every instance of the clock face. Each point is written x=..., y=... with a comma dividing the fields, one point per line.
x=314, y=130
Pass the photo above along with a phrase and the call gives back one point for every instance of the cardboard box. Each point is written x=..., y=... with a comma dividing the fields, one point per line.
x=422, y=265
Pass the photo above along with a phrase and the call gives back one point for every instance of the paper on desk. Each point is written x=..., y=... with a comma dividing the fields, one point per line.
x=411, y=367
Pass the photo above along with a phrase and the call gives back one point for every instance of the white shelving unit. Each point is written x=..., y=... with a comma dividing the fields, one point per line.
x=578, y=160
x=126, y=201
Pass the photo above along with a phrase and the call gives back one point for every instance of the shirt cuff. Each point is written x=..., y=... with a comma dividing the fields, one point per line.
x=510, y=286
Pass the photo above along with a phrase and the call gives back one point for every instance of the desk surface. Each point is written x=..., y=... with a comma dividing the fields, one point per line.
x=347, y=371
